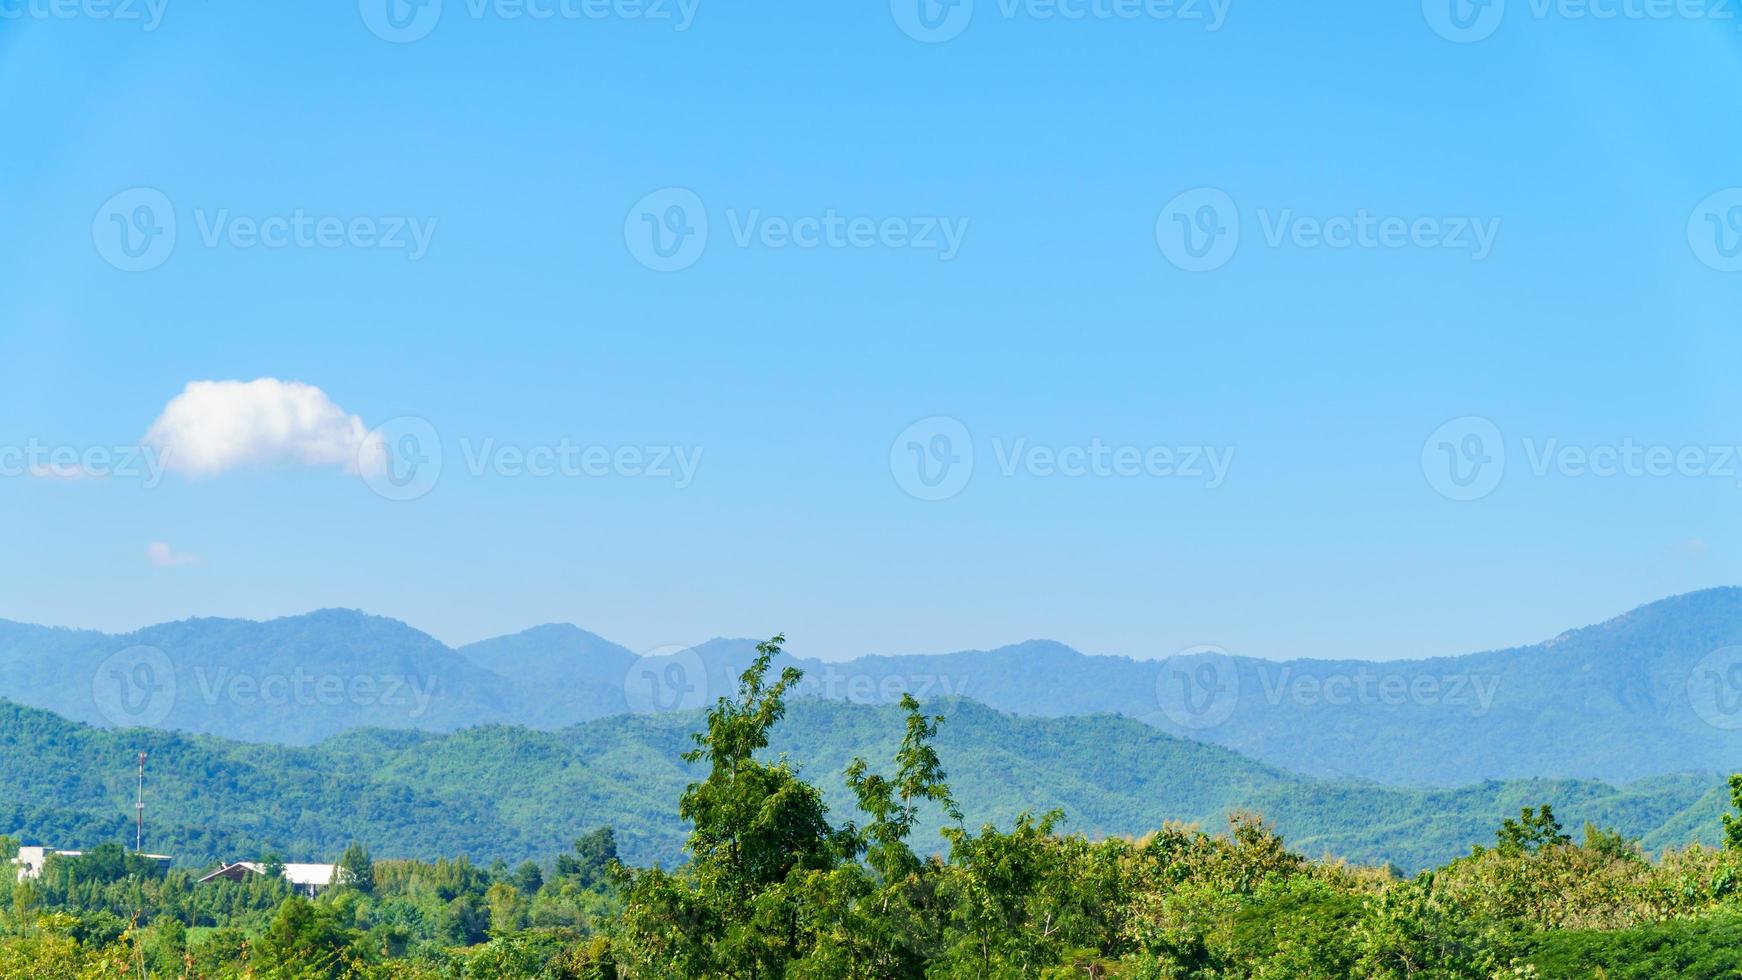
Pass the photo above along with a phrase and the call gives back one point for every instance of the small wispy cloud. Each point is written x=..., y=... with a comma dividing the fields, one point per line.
x=163, y=556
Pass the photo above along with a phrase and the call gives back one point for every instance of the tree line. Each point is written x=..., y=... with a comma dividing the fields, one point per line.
x=776, y=885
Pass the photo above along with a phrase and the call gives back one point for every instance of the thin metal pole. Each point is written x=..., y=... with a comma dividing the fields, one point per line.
x=139, y=810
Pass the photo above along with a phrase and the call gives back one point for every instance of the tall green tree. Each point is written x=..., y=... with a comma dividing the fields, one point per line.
x=591, y=862
x=306, y=939
x=356, y=869
x=893, y=804
x=1531, y=832
x=882, y=918
x=1733, y=821
x=758, y=830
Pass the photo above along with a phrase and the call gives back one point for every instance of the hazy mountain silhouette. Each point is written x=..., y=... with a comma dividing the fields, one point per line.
x=1656, y=690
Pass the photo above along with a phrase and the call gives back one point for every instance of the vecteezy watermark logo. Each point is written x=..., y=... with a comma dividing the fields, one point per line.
x=1374, y=232
x=301, y=230
x=932, y=459
x=1715, y=230
x=1199, y=230
x=1465, y=458
x=404, y=21
x=932, y=21
x=1715, y=688
x=1464, y=21
x=1280, y=683
x=134, y=687
x=567, y=458
x=667, y=230
x=935, y=21
x=134, y=231
x=1103, y=460
x=667, y=678
x=831, y=683
x=41, y=461
x=401, y=21
x=1468, y=21
x=301, y=688
x=401, y=459
x=1198, y=687
x=147, y=13
x=1633, y=460
x=833, y=230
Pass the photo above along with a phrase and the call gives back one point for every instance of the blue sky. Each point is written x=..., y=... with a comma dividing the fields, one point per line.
x=1061, y=153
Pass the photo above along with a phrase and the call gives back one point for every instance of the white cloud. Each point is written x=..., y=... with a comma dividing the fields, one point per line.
x=214, y=426
x=163, y=556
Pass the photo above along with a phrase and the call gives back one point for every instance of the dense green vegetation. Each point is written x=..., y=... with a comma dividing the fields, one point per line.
x=89, y=916
x=777, y=883
x=1555, y=709
x=515, y=794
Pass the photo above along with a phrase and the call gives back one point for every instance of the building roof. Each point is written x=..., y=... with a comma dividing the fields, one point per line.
x=309, y=874
x=297, y=874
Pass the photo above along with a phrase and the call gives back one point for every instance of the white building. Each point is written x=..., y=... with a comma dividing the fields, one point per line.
x=308, y=879
x=31, y=860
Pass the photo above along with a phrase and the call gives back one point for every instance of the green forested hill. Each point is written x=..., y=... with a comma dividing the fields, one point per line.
x=515, y=793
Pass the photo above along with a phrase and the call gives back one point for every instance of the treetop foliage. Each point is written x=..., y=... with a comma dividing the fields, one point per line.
x=776, y=885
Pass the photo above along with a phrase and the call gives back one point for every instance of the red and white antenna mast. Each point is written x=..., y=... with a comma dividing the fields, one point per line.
x=139, y=810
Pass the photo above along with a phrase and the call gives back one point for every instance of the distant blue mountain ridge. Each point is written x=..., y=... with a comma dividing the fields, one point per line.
x=1654, y=691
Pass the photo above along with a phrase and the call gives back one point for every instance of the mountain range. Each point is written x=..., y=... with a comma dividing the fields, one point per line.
x=1654, y=691
x=516, y=793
